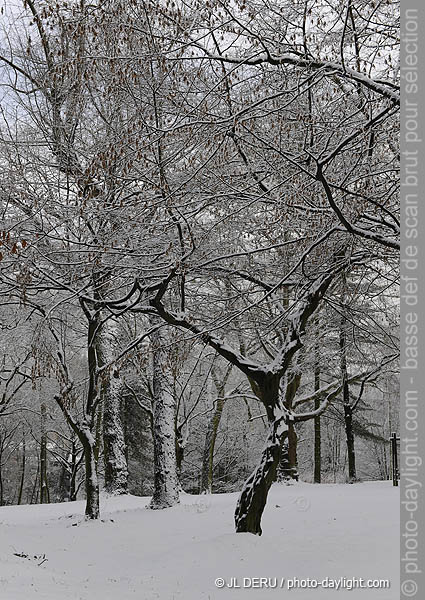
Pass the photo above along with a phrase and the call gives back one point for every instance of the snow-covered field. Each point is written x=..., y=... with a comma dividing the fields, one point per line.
x=309, y=531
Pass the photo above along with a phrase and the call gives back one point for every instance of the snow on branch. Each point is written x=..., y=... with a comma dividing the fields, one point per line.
x=386, y=89
x=247, y=366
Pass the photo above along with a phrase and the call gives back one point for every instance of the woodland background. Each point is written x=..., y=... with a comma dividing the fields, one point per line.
x=199, y=247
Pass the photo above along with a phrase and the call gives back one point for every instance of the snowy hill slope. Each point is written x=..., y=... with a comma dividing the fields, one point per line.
x=310, y=531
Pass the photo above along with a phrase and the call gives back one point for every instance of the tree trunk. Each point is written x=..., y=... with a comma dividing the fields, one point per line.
x=99, y=432
x=288, y=469
x=116, y=470
x=317, y=424
x=63, y=486
x=209, y=447
x=85, y=429
x=91, y=482
x=254, y=494
x=348, y=410
x=44, y=493
x=73, y=474
x=288, y=465
x=1, y=477
x=166, y=484
x=220, y=382
x=21, y=485
x=348, y=421
x=292, y=452
x=34, y=489
x=114, y=450
x=179, y=454
x=253, y=497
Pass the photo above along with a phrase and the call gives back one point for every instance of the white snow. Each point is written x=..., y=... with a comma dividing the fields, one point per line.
x=313, y=531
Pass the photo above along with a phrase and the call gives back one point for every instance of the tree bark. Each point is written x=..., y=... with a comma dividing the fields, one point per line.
x=91, y=481
x=209, y=447
x=114, y=450
x=73, y=474
x=288, y=465
x=288, y=468
x=34, y=493
x=292, y=451
x=348, y=410
x=116, y=470
x=22, y=481
x=220, y=382
x=180, y=446
x=44, y=490
x=166, y=484
x=1, y=479
x=348, y=421
x=85, y=430
x=317, y=424
x=253, y=497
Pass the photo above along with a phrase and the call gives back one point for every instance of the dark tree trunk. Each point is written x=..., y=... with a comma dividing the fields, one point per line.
x=283, y=469
x=44, y=490
x=1, y=480
x=209, y=447
x=253, y=498
x=99, y=433
x=91, y=481
x=179, y=454
x=220, y=382
x=63, y=484
x=68, y=478
x=21, y=484
x=292, y=451
x=86, y=430
x=348, y=410
x=288, y=466
x=288, y=469
x=73, y=476
x=317, y=424
x=34, y=493
x=348, y=420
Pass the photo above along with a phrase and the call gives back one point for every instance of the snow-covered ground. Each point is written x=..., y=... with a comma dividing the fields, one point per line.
x=309, y=531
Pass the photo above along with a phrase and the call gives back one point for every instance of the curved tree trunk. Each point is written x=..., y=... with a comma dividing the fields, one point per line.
x=254, y=494
x=265, y=383
x=253, y=498
x=166, y=484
